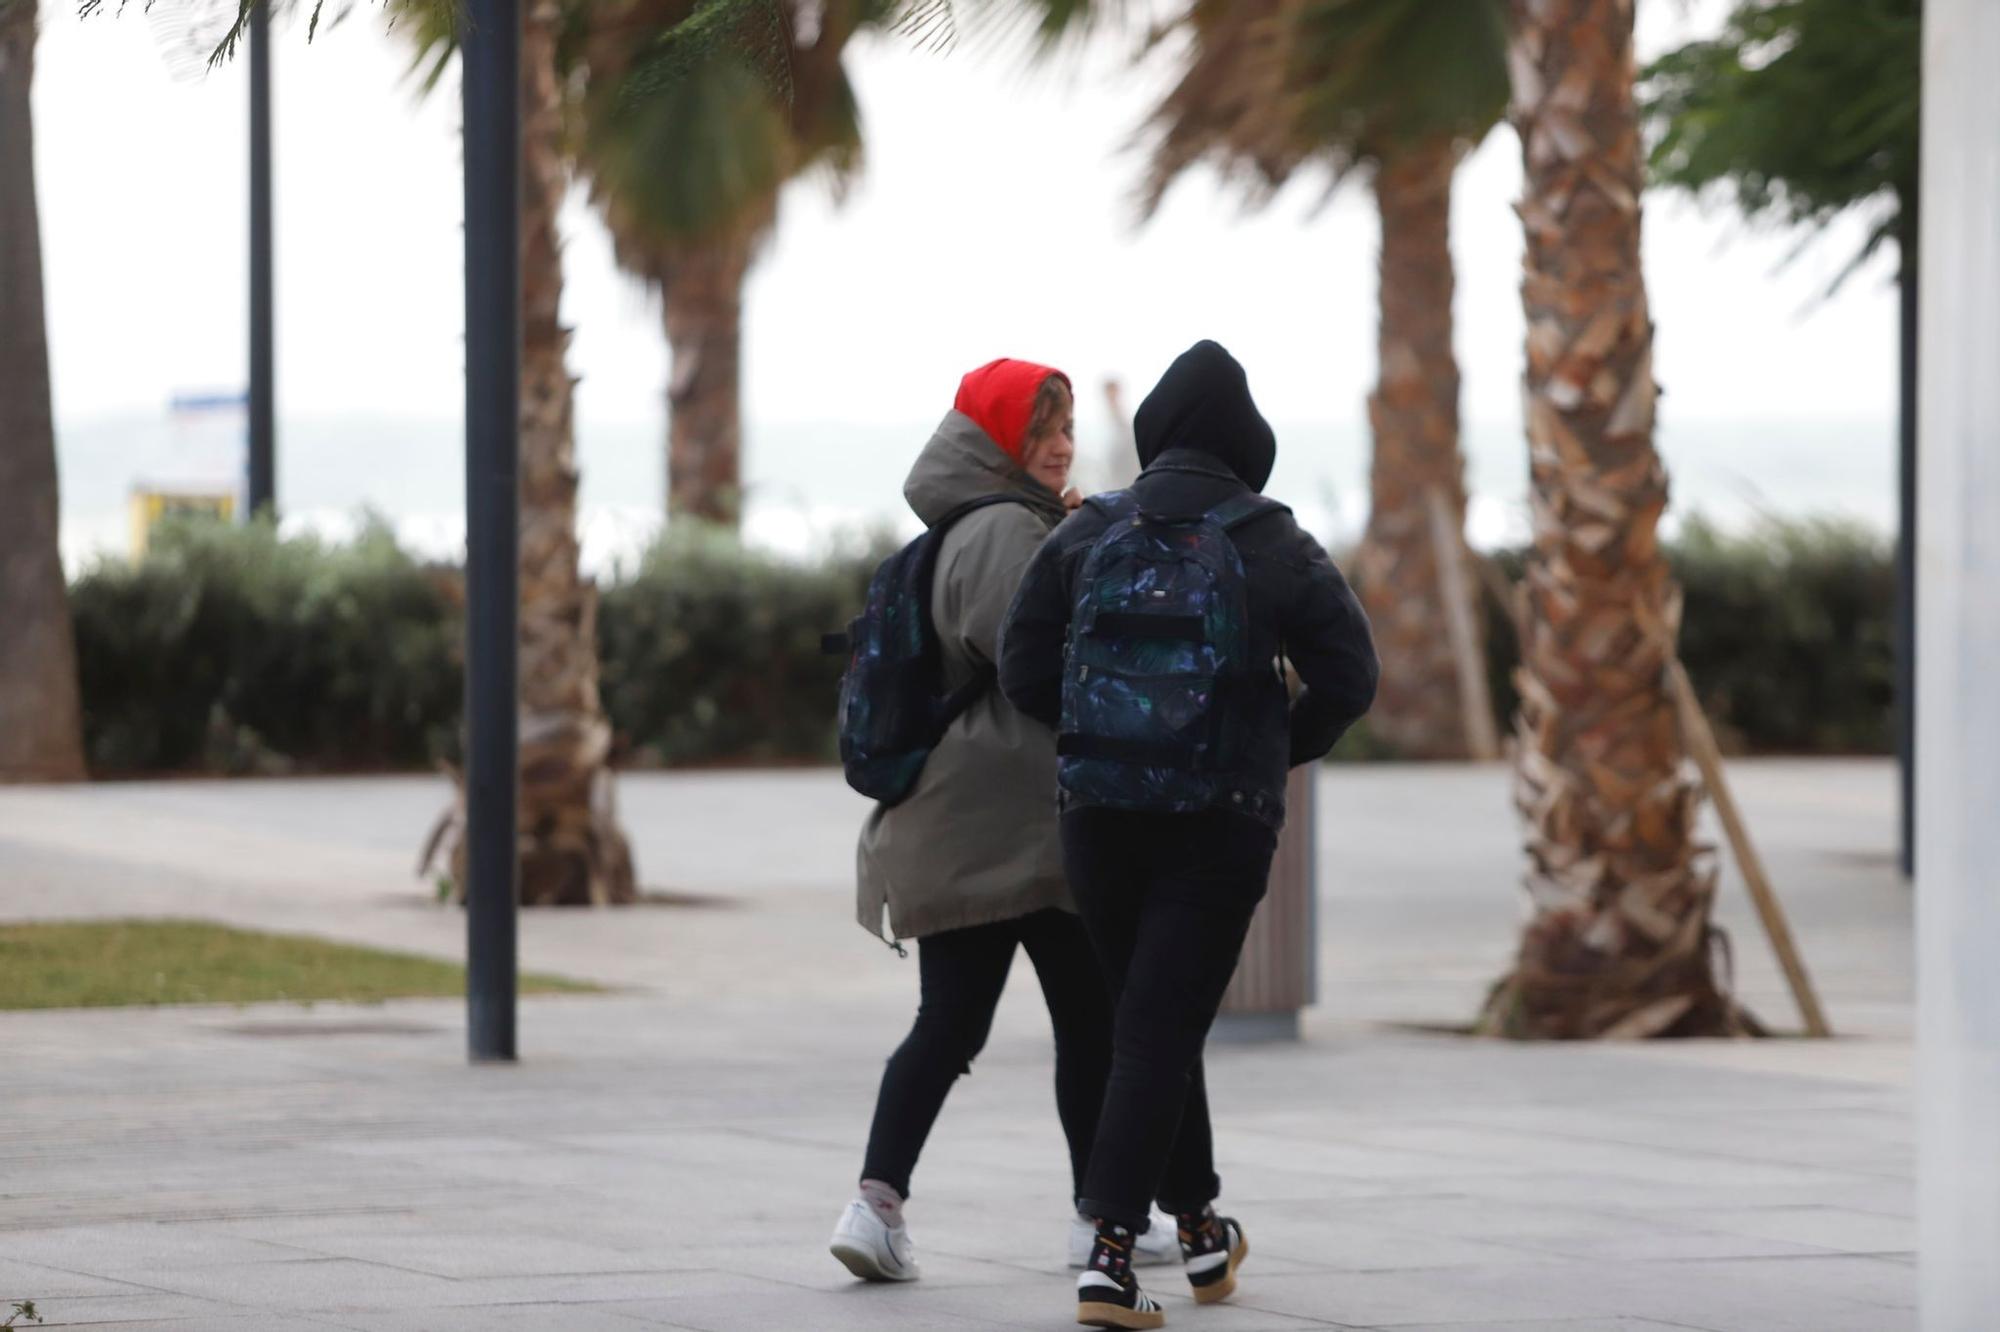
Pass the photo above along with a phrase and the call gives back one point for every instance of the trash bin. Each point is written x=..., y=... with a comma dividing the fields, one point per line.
x=1279, y=973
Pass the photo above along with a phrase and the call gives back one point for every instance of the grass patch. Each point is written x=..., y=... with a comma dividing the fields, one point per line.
x=122, y=963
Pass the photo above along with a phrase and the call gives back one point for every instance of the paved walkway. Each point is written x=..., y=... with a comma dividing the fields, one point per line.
x=672, y=1155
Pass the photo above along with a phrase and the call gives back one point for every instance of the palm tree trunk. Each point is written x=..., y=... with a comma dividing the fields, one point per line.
x=1414, y=415
x=573, y=852
x=41, y=728
x=703, y=308
x=1620, y=942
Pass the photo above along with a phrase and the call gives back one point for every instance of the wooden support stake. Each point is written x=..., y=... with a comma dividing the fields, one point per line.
x=1701, y=742
x=1500, y=588
x=1482, y=738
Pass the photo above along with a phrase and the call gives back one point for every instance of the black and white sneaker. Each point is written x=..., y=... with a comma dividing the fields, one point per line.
x=1213, y=1247
x=1107, y=1294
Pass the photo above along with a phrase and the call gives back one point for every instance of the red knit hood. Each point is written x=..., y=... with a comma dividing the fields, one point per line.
x=1000, y=397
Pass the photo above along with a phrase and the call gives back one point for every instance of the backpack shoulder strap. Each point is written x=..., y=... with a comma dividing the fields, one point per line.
x=1115, y=504
x=1242, y=509
x=972, y=505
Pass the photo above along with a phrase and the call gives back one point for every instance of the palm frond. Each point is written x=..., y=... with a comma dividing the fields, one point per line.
x=1273, y=86
x=1378, y=77
x=444, y=13
x=686, y=136
x=1796, y=111
x=931, y=24
x=1230, y=105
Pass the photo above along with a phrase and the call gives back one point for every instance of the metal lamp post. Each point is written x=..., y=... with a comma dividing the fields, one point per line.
x=262, y=493
x=491, y=67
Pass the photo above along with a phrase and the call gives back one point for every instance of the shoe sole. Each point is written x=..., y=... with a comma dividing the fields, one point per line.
x=1092, y=1314
x=860, y=1260
x=1223, y=1289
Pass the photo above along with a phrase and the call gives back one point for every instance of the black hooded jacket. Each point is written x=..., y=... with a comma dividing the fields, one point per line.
x=1202, y=441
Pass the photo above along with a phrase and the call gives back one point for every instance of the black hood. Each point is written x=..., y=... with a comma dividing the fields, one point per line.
x=1203, y=403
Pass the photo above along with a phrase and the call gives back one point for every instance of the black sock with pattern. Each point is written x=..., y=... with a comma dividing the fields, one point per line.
x=1200, y=1232
x=1111, y=1254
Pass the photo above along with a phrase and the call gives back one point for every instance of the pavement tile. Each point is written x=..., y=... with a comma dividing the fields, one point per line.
x=1837, y=1293
x=1369, y=1299
x=134, y=1244
x=1044, y=1304
x=451, y=1252
x=858, y=1310
x=39, y=1281
x=812, y=1266
x=1667, y=1243
x=1543, y=1325
x=1836, y=1228
x=313, y=1283
x=1316, y=1236
x=493, y=1317
x=674, y=1156
x=612, y=1288
x=149, y=1307
x=247, y=1323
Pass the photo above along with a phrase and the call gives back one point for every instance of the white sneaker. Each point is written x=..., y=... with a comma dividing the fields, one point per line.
x=871, y=1248
x=1160, y=1244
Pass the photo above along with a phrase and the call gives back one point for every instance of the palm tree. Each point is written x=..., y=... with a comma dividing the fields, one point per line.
x=1620, y=942
x=1398, y=90
x=572, y=850
x=690, y=125
x=41, y=728
x=686, y=142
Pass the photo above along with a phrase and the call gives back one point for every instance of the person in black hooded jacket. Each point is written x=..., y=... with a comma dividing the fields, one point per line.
x=1168, y=897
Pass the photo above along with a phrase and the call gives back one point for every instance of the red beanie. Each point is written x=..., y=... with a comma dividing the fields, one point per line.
x=1000, y=397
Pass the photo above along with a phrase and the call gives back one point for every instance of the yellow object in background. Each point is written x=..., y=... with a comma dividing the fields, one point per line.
x=149, y=507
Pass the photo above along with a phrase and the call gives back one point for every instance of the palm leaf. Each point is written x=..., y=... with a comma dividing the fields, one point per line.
x=1273, y=86
x=1796, y=111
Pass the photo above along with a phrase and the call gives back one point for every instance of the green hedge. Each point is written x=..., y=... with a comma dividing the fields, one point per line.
x=228, y=649
x=711, y=652
x=232, y=650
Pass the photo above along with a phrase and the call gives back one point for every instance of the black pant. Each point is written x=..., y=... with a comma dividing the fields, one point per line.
x=962, y=973
x=1167, y=899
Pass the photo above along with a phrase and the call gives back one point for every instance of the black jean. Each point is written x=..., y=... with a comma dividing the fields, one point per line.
x=962, y=973
x=1167, y=899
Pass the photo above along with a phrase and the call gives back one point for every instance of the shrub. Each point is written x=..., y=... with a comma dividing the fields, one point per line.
x=711, y=652
x=1789, y=634
x=233, y=649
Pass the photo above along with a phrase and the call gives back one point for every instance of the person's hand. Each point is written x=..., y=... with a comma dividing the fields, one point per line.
x=1072, y=499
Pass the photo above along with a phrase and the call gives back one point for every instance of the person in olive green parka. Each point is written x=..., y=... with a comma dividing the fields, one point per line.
x=970, y=863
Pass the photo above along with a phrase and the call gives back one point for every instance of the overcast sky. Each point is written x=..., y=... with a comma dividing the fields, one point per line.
x=994, y=218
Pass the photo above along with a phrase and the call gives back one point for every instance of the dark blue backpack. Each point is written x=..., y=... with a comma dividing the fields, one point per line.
x=1159, y=635
x=893, y=704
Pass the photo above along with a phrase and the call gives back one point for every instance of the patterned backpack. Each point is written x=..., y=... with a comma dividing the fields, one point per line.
x=1159, y=634
x=893, y=704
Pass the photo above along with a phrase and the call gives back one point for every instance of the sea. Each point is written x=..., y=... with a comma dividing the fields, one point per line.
x=810, y=487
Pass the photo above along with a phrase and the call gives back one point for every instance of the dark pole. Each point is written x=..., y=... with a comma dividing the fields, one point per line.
x=1906, y=553
x=491, y=67
x=263, y=488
